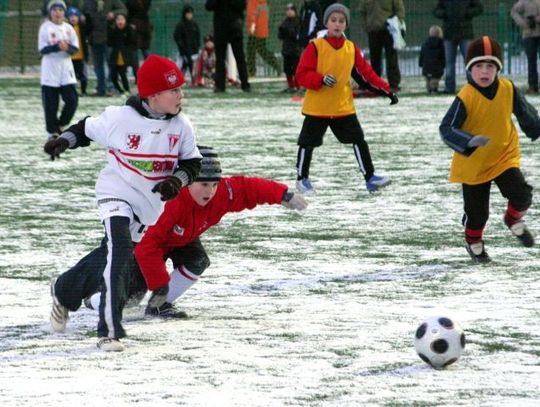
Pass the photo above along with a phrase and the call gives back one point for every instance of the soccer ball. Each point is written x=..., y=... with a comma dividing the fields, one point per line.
x=439, y=341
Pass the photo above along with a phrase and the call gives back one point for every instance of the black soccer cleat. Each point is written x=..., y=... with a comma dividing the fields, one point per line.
x=478, y=252
x=167, y=311
x=522, y=233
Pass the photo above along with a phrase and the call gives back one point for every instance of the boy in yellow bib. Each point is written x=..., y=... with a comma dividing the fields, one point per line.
x=325, y=69
x=479, y=128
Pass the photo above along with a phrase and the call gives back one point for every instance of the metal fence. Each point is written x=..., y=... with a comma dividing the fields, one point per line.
x=20, y=21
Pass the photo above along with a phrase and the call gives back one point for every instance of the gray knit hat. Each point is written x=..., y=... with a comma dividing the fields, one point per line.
x=336, y=8
x=210, y=165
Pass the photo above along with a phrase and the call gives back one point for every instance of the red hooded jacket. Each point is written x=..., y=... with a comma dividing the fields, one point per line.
x=183, y=220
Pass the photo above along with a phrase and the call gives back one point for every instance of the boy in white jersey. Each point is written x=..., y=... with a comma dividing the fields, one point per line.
x=57, y=41
x=152, y=154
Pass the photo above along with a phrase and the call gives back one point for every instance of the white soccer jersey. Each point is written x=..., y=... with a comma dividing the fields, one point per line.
x=56, y=67
x=140, y=153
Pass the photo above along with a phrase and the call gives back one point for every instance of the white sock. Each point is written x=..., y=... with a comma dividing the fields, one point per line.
x=181, y=280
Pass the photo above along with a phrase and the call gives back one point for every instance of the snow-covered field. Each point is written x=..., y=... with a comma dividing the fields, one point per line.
x=311, y=309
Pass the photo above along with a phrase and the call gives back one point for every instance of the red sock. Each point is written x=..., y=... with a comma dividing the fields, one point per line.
x=473, y=235
x=513, y=216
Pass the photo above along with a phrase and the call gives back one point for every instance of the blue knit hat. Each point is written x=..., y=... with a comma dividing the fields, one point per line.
x=73, y=11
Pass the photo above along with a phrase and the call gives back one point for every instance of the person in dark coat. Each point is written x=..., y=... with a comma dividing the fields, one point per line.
x=311, y=17
x=457, y=18
x=123, y=43
x=228, y=29
x=99, y=15
x=187, y=37
x=138, y=16
x=290, y=48
x=432, y=58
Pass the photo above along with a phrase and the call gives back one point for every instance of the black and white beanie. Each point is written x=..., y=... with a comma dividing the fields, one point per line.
x=336, y=8
x=484, y=49
x=210, y=165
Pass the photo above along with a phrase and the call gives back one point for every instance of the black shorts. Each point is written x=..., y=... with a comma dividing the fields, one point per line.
x=347, y=130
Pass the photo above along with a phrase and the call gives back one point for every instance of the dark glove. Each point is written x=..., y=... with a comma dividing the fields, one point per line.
x=393, y=98
x=168, y=188
x=55, y=146
x=159, y=297
x=329, y=80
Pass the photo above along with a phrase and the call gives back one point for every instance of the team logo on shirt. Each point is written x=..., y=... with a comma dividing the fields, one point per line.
x=133, y=141
x=179, y=230
x=171, y=78
x=173, y=140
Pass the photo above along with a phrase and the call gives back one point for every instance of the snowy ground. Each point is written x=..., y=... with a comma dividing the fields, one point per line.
x=312, y=309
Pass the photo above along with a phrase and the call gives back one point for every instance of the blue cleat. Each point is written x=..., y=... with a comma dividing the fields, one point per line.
x=304, y=186
x=376, y=182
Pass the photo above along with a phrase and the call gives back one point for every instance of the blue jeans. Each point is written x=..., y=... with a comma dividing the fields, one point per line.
x=99, y=59
x=450, y=52
x=531, y=46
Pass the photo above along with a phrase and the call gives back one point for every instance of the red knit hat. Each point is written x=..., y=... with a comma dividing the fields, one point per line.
x=157, y=74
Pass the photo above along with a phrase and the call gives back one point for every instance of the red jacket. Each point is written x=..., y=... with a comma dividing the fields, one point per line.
x=183, y=220
x=309, y=78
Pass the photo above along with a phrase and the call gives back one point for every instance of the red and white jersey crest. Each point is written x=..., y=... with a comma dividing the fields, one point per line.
x=173, y=140
x=133, y=141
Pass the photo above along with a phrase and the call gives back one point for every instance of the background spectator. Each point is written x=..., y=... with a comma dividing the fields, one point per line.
x=432, y=58
x=310, y=21
x=123, y=43
x=138, y=16
x=228, y=24
x=187, y=37
x=373, y=15
x=80, y=58
x=457, y=18
x=257, y=28
x=290, y=49
x=526, y=14
x=99, y=15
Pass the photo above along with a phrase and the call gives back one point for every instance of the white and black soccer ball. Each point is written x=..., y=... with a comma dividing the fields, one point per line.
x=439, y=341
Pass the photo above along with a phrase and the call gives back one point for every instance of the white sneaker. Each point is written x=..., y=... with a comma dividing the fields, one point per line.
x=110, y=345
x=59, y=314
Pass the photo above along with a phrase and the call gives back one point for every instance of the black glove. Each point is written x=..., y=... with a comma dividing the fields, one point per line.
x=159, y=297
x=393, y=98
x=168, y=188
x=329, y=80
x=55, y=146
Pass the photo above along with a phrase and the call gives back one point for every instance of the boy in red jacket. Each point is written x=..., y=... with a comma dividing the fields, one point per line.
x=176, y=234
x=325, y=69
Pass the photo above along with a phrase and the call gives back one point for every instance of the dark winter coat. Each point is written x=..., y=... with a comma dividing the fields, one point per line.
x=457, y=17
x=310, y=9
x=96, y=18
x=432, y=57
x=187, y=37
x=138, y=16
x=123, y=41
x=288, y=34
x=228, y=18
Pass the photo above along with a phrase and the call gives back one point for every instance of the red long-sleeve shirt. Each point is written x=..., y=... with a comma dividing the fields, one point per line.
x=309, y=78
x=183, y=220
